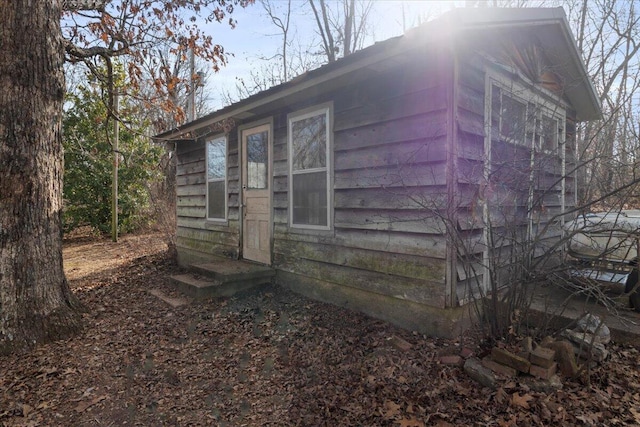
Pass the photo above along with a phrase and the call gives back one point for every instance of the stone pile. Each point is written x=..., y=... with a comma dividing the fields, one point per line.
x=585, y=342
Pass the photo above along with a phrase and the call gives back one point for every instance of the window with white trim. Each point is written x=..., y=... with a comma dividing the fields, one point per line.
x=508, y=116
x=550, y=130
x=309, y=169
x=519, y=116
x=216, y=150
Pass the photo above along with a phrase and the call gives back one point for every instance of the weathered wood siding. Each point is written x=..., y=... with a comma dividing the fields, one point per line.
x=469, y=174
x=197, y=237
x=389, y=171
x=510, y=169
x=389, y=139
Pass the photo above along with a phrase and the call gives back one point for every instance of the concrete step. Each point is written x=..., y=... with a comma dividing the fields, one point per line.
x=228, y=270
x=222, y=278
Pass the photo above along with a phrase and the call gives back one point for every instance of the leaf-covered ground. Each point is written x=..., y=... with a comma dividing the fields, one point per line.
x=270, y=358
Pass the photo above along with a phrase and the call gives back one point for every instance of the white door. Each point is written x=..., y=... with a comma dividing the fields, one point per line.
x=256, y=229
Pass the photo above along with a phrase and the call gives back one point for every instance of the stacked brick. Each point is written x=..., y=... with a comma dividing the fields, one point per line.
x=586, y=341
x=539, y=362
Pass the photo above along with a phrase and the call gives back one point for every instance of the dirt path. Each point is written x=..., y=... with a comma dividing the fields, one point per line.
x=85, y=257
x=271, y=358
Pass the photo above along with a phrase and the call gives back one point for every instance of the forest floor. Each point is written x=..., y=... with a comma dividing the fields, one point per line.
x=269, y=358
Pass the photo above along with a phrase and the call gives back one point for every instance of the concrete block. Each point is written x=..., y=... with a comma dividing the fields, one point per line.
x=586, y=346
x=473, y=367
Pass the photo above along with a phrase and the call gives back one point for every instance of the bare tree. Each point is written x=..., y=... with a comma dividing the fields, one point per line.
x=283, y=25
x=341, y=26
x=342, y=29
x=608, y=32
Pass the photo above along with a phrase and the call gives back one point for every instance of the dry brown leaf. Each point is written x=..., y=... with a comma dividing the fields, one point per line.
x=411, y=422
x=501, y=396
x=521, y=401
x=83, y=406
x=196, y=348
x=590, y=419
x=390, y=409
x=511, y=422
x=26, y=410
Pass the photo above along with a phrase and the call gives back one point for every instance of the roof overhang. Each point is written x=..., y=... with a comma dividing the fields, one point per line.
x=553, y=32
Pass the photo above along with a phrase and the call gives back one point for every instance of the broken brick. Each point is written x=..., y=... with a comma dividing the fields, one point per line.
x=451, y=360
x=466, y=353
x=527, y=344
x=543, y=372
x=542, y=356
x=565, y=357
x=507, y=358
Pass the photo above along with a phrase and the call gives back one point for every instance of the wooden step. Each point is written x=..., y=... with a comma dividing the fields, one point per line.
x=222, y=278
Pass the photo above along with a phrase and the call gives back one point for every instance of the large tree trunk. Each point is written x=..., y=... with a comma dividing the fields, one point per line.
x=35, y=302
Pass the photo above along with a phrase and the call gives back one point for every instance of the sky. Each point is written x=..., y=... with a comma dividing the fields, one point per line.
x=255, y=36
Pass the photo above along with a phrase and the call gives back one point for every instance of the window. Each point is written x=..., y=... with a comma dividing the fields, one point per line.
x=529, y=122
x=549, y=132
x=217, y=178
x=257, y=157
x=309, y=160
x=509, y=116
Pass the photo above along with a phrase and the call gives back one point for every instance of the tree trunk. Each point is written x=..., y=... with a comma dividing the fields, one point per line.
x=35, y=302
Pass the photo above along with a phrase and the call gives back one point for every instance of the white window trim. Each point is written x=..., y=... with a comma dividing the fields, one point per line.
x=327, y=109
x=527, y=94
x=547, y=102
x=560, y=116
x=207, y=180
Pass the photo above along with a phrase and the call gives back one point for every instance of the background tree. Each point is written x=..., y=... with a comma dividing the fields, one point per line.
x=341, y=28
x=342, y=25
x=88, y=159
x=135, y=29
x=607, y=33
x=35, y=302
x=155, y=41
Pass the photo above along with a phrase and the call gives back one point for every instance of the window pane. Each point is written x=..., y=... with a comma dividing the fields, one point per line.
x=216, y=158
x=216, y=199
x=257, y=160
x=495, y=113
x=310, y=198
x=309, y=142
x=513, y=119
x=549, y=133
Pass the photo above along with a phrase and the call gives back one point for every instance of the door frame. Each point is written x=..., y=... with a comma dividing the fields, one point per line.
x=241, y=190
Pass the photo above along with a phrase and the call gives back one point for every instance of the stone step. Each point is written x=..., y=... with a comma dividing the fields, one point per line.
x=222, y=278
x=228, y=270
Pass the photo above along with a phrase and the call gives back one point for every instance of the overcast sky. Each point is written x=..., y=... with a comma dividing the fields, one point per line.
x=256, y=36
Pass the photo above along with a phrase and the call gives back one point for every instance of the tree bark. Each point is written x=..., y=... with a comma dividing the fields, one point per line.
x=36, y=304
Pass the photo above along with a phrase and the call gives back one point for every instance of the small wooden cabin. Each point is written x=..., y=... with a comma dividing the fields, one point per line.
x=371, y=182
